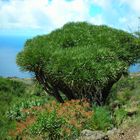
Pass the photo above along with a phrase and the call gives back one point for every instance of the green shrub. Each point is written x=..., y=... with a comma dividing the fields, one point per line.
x=101, y=119
x=10, y=92
x=119, y=116
x=16, y=95
x=48, y=125
x=5, y=126
x=12, y=87
x=15, y=112
x=74, y=115
x=126, y=90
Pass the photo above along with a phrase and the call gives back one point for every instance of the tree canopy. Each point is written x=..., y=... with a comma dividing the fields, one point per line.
x=80, y=60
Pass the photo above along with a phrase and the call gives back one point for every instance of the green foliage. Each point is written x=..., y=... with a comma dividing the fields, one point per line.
x=5, y=125
x=125, y=83
x=125, y=98
x=126, y=90
x=16, y=111
x=10, y=91
x=49, y=125
x=72, y=121
x=66, y=121
x=101, y=119
x=119, y=116
x=37, y=90
x=84, y=58
x=137, y=34
x=15, y=95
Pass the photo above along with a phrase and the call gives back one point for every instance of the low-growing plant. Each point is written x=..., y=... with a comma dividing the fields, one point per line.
x=49, y=125
x=77, y=113
x=16, y=111
x=5, y=125
x=124, y=96
x=11, y=91
x=72, y=115
x=125, y=89
x=119, y=115
x=101, y=119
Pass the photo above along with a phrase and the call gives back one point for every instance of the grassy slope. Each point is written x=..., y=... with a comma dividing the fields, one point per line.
x=125, y=95
x=14, y=91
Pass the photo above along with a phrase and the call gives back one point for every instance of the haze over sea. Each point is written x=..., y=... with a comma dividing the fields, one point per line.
x=10, y=46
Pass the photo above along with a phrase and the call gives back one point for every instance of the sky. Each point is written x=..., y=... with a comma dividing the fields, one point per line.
x=23, y=19
x=31, y=17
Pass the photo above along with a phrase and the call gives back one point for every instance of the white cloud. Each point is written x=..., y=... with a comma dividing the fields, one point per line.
x=105, y=4
x=42, y=14
x=45, y=15
x=123, y=20
x=130, y=20
x=129, y=23
x=19, y=14
x=133, y=4
x=98, y=20
x=61, y=12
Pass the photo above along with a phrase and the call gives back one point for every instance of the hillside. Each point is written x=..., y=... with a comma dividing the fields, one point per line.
x=30, y=114
x=14, y=91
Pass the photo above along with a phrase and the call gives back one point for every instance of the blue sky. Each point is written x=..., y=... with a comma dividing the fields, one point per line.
x=23, y=19
x=31, y=17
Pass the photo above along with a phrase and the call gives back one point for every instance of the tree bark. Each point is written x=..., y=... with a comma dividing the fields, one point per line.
x=107, y=89
x=48, y=87
x=55, y=87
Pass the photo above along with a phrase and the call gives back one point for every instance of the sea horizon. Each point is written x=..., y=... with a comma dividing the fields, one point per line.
x=9, y=48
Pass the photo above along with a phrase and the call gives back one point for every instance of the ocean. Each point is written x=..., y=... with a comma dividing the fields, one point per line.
x=10, y=46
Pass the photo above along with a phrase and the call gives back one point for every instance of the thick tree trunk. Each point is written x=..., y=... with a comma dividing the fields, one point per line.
x=106, y=90
x=57, y=95
x=66, y=90
x=48, y=87
x=93, y=94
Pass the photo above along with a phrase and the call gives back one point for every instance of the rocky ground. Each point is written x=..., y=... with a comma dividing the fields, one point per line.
x=131, y=133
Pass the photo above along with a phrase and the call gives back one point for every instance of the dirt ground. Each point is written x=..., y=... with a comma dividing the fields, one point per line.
x=132, y=133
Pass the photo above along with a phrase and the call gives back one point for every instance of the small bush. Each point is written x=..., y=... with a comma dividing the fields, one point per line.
x=101, y=119
x=16, y=112
x=123, y=89
x=119, y=116
x=63, y=121
x=10, y=92
x=48, y=125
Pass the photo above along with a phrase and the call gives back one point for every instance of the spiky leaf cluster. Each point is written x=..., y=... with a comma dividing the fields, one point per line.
x=82, y=55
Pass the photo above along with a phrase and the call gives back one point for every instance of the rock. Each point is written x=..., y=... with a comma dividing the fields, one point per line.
x=138, y=136
x=115, y=133
x=93, y=135
x=131, y=111
x=112, y=131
